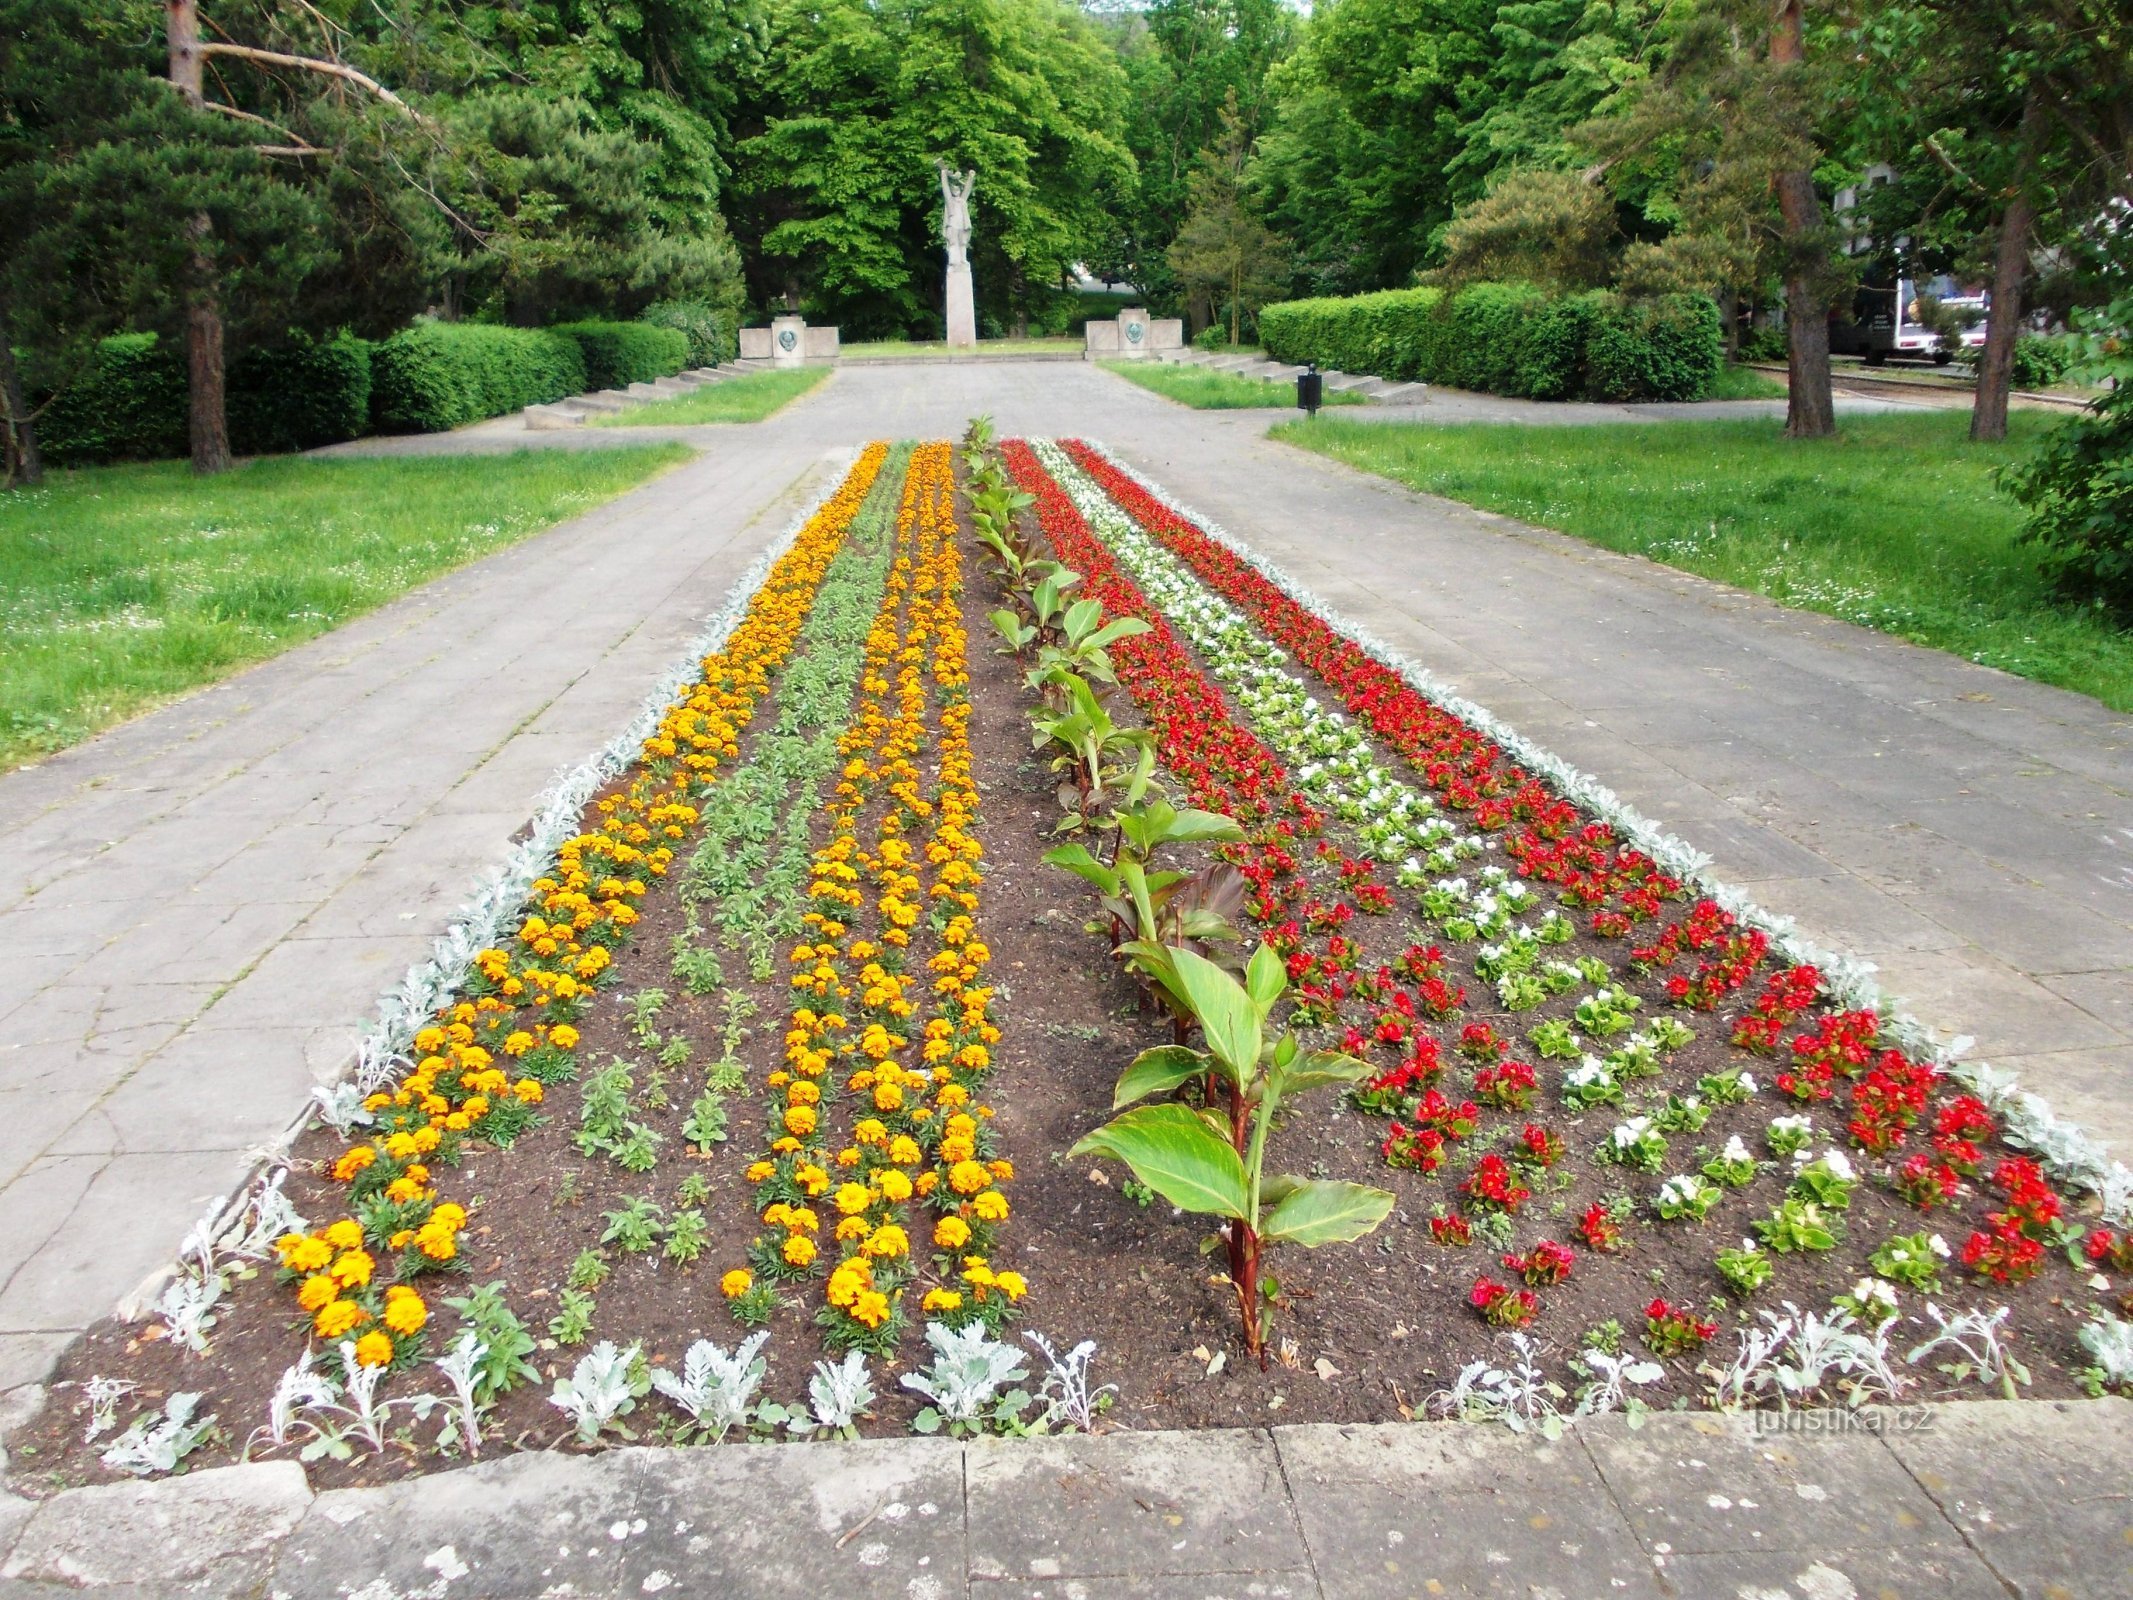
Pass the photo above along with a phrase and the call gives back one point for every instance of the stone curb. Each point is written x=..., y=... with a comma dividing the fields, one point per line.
x=1988, y=1498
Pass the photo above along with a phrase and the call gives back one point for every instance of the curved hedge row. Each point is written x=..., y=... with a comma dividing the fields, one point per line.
x=439, y=375
x=1509, y=339
x=618, y=354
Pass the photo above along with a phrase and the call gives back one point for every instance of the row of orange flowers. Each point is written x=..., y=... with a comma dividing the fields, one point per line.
x=484, y=1061
x=914, y=1129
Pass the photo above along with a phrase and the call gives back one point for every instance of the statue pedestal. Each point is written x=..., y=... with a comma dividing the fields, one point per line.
x=962, y=308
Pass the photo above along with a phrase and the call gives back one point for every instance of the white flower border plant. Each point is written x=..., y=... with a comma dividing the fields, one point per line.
x=2066, y=1150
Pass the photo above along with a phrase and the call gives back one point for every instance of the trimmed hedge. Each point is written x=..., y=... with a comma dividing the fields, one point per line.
x=440, y=375
x=714, y=336
x=1509, y=339
x=618, y=354
x=133, y=405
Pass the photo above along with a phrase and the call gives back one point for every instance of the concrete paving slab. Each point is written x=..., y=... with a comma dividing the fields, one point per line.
x=180, y=1529
x=527, y=1525
x=2044, y=1492
x=1693, y=1483
x=1150, y=1504
x=1452, y=1509
x=877, y=1517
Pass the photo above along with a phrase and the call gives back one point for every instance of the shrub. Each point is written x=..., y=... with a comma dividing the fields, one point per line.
x=1509, y=338
x=1764, y=343
x=2040, y=360
x=133, y=404
x=2079, y=491
x=439, y=375
x=713, y=335
x=300, y=395
x=618, y=354
x=1668, y=348
x=130, y=405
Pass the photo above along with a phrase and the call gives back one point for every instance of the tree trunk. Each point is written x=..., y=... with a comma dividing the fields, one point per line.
x=209, y=423
x=2010, y=266
x=24, y=464
x=1810, y=409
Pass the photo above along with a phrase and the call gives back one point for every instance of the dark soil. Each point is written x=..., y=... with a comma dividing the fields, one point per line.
x=1366, y=1332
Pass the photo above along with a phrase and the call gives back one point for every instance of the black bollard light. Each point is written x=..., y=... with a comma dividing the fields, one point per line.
x=1310, y=390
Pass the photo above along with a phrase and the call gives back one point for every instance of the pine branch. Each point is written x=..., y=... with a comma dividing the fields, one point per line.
x=333, y=69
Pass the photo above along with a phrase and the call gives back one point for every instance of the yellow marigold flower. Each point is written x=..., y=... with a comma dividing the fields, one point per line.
x=942, y=1300
x=846, y=1283
x=799, y=1250
x=1003, y=1169
x=337, y=1317
x=812, y=1179
x=517, y=1042
x=317, y=1291
x=951, y=1233
x=426, y=1140
x=802, y=1220
x=354, y=1162
x=450, y=1215
x=477, y=1105
x=895, y=1186
x=302, y=1253
x=854, y=1198
x=871, y=1308
x=1011, y=1284
x=991, y=1206
x=926, y=1183
x=527, y=1091
x=968, y=1177
x=457, y=1122
x=888, y=1240
x=977, y=1274
x=904, y=1151
x=352, y=1268
x=736, y=1283
x=800, y=1120
x=563, y=1036
x=374, y=1349
x=405, y=1314
x=438, y=1244
x=403, y=1189
x=346, y=1234
x=758, y=1171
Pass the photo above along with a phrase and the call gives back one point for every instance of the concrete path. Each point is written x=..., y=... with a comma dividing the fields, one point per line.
x=204, y=902
x=1962, y=1502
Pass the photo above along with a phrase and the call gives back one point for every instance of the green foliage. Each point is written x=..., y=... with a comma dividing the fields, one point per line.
x=618, y=354
x=2078, y=489
x=1897, y=526
x=1512, y=339
x=506, y=1363
x=713, y=334
x=573, y=1321
x=130, y=584
x=131, y=404
x=858, y=100
x=436, y=376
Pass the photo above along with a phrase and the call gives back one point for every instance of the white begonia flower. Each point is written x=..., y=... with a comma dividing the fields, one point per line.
x=1735, y=1150
x=1679, y=1191
x=1792, y=1124
x=1838, y=1163
x=1939, y=1246
x=1747, y=1081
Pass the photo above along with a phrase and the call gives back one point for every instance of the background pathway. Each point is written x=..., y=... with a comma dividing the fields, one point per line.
x=200, y=906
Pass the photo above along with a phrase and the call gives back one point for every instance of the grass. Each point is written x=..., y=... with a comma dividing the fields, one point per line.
x=127, y=585
x=1206, y=390
x=1072, y=344
x=1744, y=383
x=1895, y=524
x=749, y=398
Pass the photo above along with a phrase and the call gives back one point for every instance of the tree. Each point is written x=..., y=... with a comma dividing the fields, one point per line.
x=2009, y=128
x=1557, y=229
x=1222, y=247
x=1184, y=60
x=858, y=100
x=1726, y=134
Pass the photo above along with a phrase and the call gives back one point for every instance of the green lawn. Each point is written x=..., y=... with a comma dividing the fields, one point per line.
x=749, y=398
x=127, y=585
x=1204, y=389
x=986, y=347
x=1745, y=383
x=1895, y=524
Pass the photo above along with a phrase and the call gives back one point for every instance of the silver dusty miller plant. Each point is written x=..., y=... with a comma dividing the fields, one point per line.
x=964, y=1378
x=715, y=1388
x=157, y=1441
x=1068, y=1399
x=836, y=1395
x=604, y=1387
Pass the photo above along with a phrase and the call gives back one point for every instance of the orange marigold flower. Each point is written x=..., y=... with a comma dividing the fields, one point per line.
x=374, y=1349
x=337, y=1317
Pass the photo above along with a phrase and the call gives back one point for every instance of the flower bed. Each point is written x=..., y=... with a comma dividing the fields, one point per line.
x=742, y=1103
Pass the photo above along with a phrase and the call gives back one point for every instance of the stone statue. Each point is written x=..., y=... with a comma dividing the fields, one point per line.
x=955, y=212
